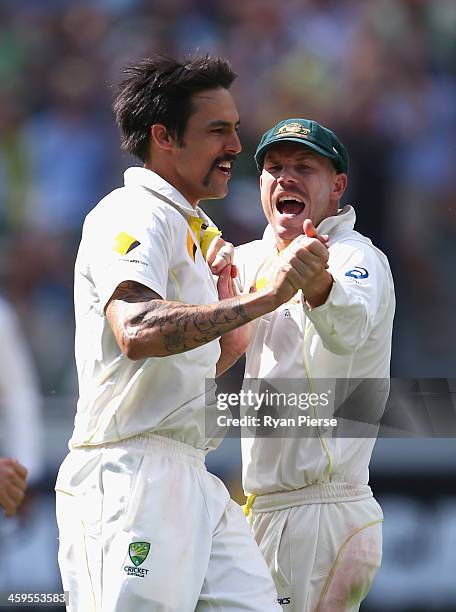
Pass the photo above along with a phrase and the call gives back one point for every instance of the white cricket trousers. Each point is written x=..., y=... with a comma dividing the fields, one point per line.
x=144, y=527
x=323, y=545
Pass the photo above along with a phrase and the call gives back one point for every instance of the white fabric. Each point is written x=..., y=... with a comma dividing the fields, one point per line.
x=348, y=337
x=120, y=397
x=20, y=398
x=326, y=493
x=314, y=517
x=322, y=556
x=154, y=490
x=136, y=469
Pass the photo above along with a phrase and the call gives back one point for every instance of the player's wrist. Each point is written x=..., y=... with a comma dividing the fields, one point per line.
x=320, y=290
x=262, y=302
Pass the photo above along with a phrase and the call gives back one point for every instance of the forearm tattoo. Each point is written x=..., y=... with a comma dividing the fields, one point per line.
x=182, y=326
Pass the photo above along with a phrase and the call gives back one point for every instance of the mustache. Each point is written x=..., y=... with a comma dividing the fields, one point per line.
x=229, y=157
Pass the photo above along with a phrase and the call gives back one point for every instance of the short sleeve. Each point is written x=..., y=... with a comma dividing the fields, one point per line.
x=126, y=250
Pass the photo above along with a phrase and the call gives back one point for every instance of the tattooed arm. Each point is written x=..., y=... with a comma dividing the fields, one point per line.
x=145, y=325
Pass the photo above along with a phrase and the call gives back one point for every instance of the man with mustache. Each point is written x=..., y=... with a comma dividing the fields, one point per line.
x=143, y=525
x=311, y=508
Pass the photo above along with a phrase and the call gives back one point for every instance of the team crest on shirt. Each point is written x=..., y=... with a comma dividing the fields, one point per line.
x=124, y=243
x=137, y=551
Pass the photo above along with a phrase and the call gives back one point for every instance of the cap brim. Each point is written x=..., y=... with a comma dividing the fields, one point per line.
x=260, y=154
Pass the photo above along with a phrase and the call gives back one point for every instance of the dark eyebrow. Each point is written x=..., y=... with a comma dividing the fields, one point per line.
x=221, y=123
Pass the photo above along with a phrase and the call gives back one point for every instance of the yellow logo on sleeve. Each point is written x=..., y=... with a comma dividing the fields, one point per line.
x=124, y=243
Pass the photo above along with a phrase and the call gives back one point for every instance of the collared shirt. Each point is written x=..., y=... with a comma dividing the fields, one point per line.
x=140, y=232
x=346, y=338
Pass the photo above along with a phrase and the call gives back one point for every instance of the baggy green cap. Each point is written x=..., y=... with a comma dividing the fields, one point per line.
x=308, y=133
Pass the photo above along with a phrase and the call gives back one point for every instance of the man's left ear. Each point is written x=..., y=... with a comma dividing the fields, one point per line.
x=340, y=185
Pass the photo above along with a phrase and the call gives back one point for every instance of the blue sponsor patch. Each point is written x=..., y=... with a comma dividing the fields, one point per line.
x=357, y=272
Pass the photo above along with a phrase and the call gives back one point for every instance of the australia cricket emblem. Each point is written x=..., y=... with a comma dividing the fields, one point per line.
x=137, y=552
x=293, y=129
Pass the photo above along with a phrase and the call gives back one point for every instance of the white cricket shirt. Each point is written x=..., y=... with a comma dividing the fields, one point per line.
x=348, y=337
x=141, y=233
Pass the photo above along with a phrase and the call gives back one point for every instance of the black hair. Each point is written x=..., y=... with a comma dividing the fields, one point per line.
x=159, y=90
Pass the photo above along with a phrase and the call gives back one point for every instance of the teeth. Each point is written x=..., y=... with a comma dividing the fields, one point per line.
x=290, y=199
x=225, y=164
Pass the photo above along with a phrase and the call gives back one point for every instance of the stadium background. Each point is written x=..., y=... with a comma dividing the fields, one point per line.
x=382, y=73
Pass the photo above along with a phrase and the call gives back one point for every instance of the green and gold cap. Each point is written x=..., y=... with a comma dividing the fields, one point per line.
x=308, y=133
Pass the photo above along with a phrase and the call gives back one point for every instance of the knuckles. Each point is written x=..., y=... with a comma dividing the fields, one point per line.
x=221, y=256
x=8, y=469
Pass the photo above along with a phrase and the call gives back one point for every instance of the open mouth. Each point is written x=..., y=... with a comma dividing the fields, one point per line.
x=225, y=167
x=290, y=205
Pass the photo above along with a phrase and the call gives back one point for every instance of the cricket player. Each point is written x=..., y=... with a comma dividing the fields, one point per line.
x=311, y=509
x=143, y=526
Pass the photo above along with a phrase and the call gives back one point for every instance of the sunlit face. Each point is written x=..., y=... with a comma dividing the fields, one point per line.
x=297, y=184
x=202, y=166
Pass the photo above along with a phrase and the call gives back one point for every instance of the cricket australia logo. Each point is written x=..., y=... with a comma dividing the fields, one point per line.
x=293, y=129
x=137, y=552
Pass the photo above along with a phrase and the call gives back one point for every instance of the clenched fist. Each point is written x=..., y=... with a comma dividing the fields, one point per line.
x=12, y=484
x=302, y=265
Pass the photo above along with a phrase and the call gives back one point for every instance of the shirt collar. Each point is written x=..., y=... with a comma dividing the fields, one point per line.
x=344, y=220
x=142, y=177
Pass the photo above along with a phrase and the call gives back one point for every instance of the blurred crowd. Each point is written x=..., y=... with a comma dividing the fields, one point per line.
x=382, y=73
